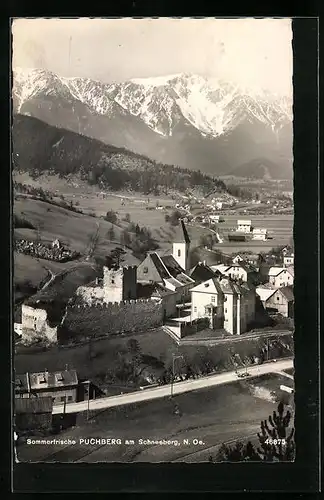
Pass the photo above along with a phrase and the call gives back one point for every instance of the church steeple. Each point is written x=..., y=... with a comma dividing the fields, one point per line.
x=181, y=246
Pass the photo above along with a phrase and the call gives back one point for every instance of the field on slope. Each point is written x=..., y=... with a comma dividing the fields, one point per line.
x=72, y=229
x=141, y=209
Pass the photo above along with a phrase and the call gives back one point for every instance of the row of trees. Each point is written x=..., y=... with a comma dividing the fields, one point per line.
x=244, y=194
x=195, y=363
x=151, y=178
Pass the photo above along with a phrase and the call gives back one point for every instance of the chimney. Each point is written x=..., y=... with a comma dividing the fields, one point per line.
x=97, y=281
x=204, y=262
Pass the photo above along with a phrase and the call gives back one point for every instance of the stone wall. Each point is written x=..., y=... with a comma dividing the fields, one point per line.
x=35, y=325
x=90, y=294
x=181, y=329
x=82, y=321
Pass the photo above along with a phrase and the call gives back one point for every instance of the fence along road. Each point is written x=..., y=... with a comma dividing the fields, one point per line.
x=178, y=388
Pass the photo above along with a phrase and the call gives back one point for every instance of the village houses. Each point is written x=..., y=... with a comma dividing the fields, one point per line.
x=227, y=304
x=281, y=276
x=224, y=295
x=288, y=259
x=277, y=300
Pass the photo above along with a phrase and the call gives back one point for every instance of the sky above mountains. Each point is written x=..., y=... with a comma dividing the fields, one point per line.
x=250, y=52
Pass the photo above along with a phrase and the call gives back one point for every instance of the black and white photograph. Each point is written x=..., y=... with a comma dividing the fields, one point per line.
x=153, y=240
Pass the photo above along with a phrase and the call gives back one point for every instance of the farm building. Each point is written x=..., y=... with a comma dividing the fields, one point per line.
x=213, y=218
x=236, y=237
x=59, y=386
x=259, y=234
x=244, y=226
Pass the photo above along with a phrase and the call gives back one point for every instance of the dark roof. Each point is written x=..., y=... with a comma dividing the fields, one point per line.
x=33, y=405
x=287, y=292
x=201, y=272
x=53, y=379
x=181, y=235
x=31, y=381
x=172, y=265
x=236, y=237
x=184, y=278
x=144, y=291
x=156, y=259
x=148, y=290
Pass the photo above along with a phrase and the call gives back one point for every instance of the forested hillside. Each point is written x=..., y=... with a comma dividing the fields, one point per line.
x=39, y=148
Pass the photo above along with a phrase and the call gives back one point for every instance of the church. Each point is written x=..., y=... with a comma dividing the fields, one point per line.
x=186, y=294
x=170, y=271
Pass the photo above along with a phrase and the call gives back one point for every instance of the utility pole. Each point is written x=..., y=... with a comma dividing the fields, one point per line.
x=172, y=379
x=88, y=407
x=87, y=382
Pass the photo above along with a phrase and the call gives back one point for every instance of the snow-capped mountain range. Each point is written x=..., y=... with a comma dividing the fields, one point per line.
x=161, y=116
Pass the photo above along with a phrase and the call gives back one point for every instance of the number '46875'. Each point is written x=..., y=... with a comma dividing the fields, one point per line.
x=275, y=441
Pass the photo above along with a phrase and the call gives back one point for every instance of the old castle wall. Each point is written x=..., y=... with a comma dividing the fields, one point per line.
x=90, y=294
x=83, y=320
x=35, y=325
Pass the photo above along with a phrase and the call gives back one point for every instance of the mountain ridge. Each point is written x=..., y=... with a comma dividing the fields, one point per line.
x=182, y=119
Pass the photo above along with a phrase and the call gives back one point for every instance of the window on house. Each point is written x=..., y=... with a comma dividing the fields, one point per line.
x=213, y=298
x=145, y=270
x=62, y=398
x=42, y=379
x=59, y=377
x=70, y=398
x=225, y=310
x=277, y=298
x=179, y=253
x=112, y=281
x=53, y=399
x=195, y=309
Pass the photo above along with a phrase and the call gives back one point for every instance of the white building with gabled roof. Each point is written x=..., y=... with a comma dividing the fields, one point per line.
x=244, y=226
x=281, y=276
x=225, y=303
